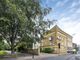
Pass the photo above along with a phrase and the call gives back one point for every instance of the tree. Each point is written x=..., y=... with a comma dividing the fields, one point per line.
x=20, y=19
x=1, y=43
x=11, y=24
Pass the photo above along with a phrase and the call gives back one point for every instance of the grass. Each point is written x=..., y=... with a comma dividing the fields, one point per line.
x=2, y=53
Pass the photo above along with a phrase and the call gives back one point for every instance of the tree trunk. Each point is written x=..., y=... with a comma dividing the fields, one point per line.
x=12, y=49
x=12, y=45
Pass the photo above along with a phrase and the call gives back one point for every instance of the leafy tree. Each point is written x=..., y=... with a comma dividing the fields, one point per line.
x=10, y=20
x=21, y=21
x=1, y=44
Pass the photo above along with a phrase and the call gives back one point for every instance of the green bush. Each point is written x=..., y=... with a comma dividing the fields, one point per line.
x=48, y=50
x=3, y=53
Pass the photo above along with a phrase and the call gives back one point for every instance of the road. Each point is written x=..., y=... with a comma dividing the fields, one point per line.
x=65, y=57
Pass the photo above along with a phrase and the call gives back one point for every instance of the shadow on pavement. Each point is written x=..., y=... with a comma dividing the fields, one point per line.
x=77, y=58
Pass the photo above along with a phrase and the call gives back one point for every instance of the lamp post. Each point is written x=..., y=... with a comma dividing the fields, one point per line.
x=33, y=47
x=36, y=36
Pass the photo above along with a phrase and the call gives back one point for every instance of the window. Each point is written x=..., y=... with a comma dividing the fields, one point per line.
x=51, y=43
x=50, y=38
x=59, y=37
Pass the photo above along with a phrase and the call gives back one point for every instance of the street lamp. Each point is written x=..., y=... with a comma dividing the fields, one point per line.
x=33, y=46
x=36, y=36
x=36, y=45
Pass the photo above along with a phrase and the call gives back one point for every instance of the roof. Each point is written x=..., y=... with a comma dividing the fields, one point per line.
x=60, y=30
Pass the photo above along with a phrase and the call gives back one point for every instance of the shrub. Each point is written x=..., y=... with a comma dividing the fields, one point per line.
x=48, y=50
x=3, y=53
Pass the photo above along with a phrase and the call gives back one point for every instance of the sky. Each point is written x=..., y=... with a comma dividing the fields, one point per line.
x=67, y=14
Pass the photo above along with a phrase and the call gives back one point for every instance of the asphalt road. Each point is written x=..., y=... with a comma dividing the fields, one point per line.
x=66, y=57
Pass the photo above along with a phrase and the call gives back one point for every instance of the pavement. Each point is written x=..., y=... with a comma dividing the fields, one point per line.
x=42, y=55
x=53, y=57
x=48, y=57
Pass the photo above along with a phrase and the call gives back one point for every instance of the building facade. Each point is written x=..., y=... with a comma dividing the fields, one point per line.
x=58, y=40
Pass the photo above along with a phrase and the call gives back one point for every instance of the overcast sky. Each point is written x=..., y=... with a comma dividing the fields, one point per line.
x=67, y=12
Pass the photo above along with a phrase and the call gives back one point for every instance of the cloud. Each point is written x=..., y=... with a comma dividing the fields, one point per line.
x=61, y=3
x=65, y=1
x=75, y=3
x=67, y=12
x=78, y=11
x=77, y=38
x=47, y=2
x=72, y=7
x=71, y=25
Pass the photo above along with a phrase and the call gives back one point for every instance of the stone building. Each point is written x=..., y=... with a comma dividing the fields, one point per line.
x=58, y=40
